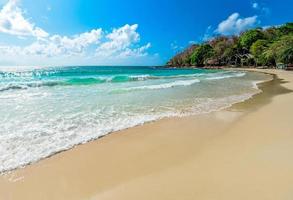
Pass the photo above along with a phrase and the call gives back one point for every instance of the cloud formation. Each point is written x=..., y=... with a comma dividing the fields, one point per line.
x=120, y=43
x=13, y=22
x=234, y=24
x=57, y=45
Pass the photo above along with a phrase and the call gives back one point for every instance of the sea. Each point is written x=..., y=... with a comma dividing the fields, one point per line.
x=45, y=110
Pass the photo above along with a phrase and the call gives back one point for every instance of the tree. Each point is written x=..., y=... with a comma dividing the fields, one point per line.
x=249, y=37
x=183, y=58
x=220, y=44
x=200, y=54
x=286, y=55
x=284, y=49
x=257, y=50
x=286, y=29
x=254, y=47
x=271, y=33
x=281, y=51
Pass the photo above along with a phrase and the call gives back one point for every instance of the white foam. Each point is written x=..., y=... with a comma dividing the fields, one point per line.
x=219, y=77
x=140, y=77
x=256, y=83
x=165, y=85
x=35, y=127
x=36, y=141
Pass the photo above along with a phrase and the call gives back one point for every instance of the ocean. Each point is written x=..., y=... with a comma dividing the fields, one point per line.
x=47, y=110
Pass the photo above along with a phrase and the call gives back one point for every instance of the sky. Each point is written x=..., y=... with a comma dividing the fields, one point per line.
x=128, y=32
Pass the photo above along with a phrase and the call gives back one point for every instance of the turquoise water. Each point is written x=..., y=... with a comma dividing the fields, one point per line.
x=47, y=110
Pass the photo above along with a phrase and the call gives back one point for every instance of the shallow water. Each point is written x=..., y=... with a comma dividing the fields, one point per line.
x=47, y=110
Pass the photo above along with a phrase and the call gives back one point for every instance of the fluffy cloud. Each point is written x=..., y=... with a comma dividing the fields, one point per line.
x=235, y=25
x=136, y=52
x=96, y=44
x=120, y=43
x=57, y=45
x=13, y=22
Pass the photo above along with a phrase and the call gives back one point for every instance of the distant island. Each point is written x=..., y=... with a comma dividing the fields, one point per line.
x=261, y=47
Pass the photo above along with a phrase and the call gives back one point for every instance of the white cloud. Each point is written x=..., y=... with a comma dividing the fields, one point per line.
x=57, y=45
x=13, y=22
x=235, y=25
x=120, y=43
x=255, y=5
x=136, y=52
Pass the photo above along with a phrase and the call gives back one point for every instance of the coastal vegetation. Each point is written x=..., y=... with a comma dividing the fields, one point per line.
x=270, y=47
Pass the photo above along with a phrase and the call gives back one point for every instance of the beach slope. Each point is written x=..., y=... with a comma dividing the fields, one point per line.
x=224, y=155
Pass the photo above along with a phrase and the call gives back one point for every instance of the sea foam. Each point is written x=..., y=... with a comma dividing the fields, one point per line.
x=43, y=118
x=164, y=85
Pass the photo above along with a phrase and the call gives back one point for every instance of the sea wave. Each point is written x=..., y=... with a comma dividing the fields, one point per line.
x=80, y=105
x=224, y=76
x=163, y=85
x=26, y=80
x=27, y=148
x=120, y=79
x=24, y=86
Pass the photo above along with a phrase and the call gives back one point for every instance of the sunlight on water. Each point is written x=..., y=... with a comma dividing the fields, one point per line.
x=44, y=111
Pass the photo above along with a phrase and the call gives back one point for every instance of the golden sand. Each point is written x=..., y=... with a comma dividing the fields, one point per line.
x=245, y=152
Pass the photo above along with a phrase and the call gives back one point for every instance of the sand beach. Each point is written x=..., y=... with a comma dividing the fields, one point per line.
x=243, y=152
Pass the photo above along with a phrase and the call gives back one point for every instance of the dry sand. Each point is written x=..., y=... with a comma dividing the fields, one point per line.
x=245, y=152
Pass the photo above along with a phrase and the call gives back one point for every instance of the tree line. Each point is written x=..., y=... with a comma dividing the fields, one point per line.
x=269, y=47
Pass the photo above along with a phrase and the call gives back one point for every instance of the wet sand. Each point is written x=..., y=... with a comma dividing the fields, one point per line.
x=244, y=152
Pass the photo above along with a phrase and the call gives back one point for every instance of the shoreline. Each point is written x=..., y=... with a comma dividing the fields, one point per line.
x=258, y=85
x=156, y=148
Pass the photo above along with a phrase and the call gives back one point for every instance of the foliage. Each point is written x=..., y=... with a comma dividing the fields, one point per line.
x=183, y=58
x=265, y=47
x=200, y=54
x=257, y=49
x=249, y=37
x=286, y=29
x=282, y=50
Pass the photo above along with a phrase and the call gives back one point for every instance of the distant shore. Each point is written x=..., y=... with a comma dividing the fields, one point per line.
x=270, y=47
x=243, y=152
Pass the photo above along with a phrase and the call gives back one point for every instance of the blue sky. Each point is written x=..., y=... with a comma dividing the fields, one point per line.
x=112, y=32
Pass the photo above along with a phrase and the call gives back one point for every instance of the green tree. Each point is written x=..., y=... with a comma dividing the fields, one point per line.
x=286, y=55
x=271, y=33
x=258, y=46
x=281, y=51
x=286, y=29
x=183, y=58
x=249, y=37
x=200, y=54
x=284, y=49
x=257, y=50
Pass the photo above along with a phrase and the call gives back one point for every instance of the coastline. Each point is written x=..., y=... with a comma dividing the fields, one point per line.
x=187, y=157
x=21, y=156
